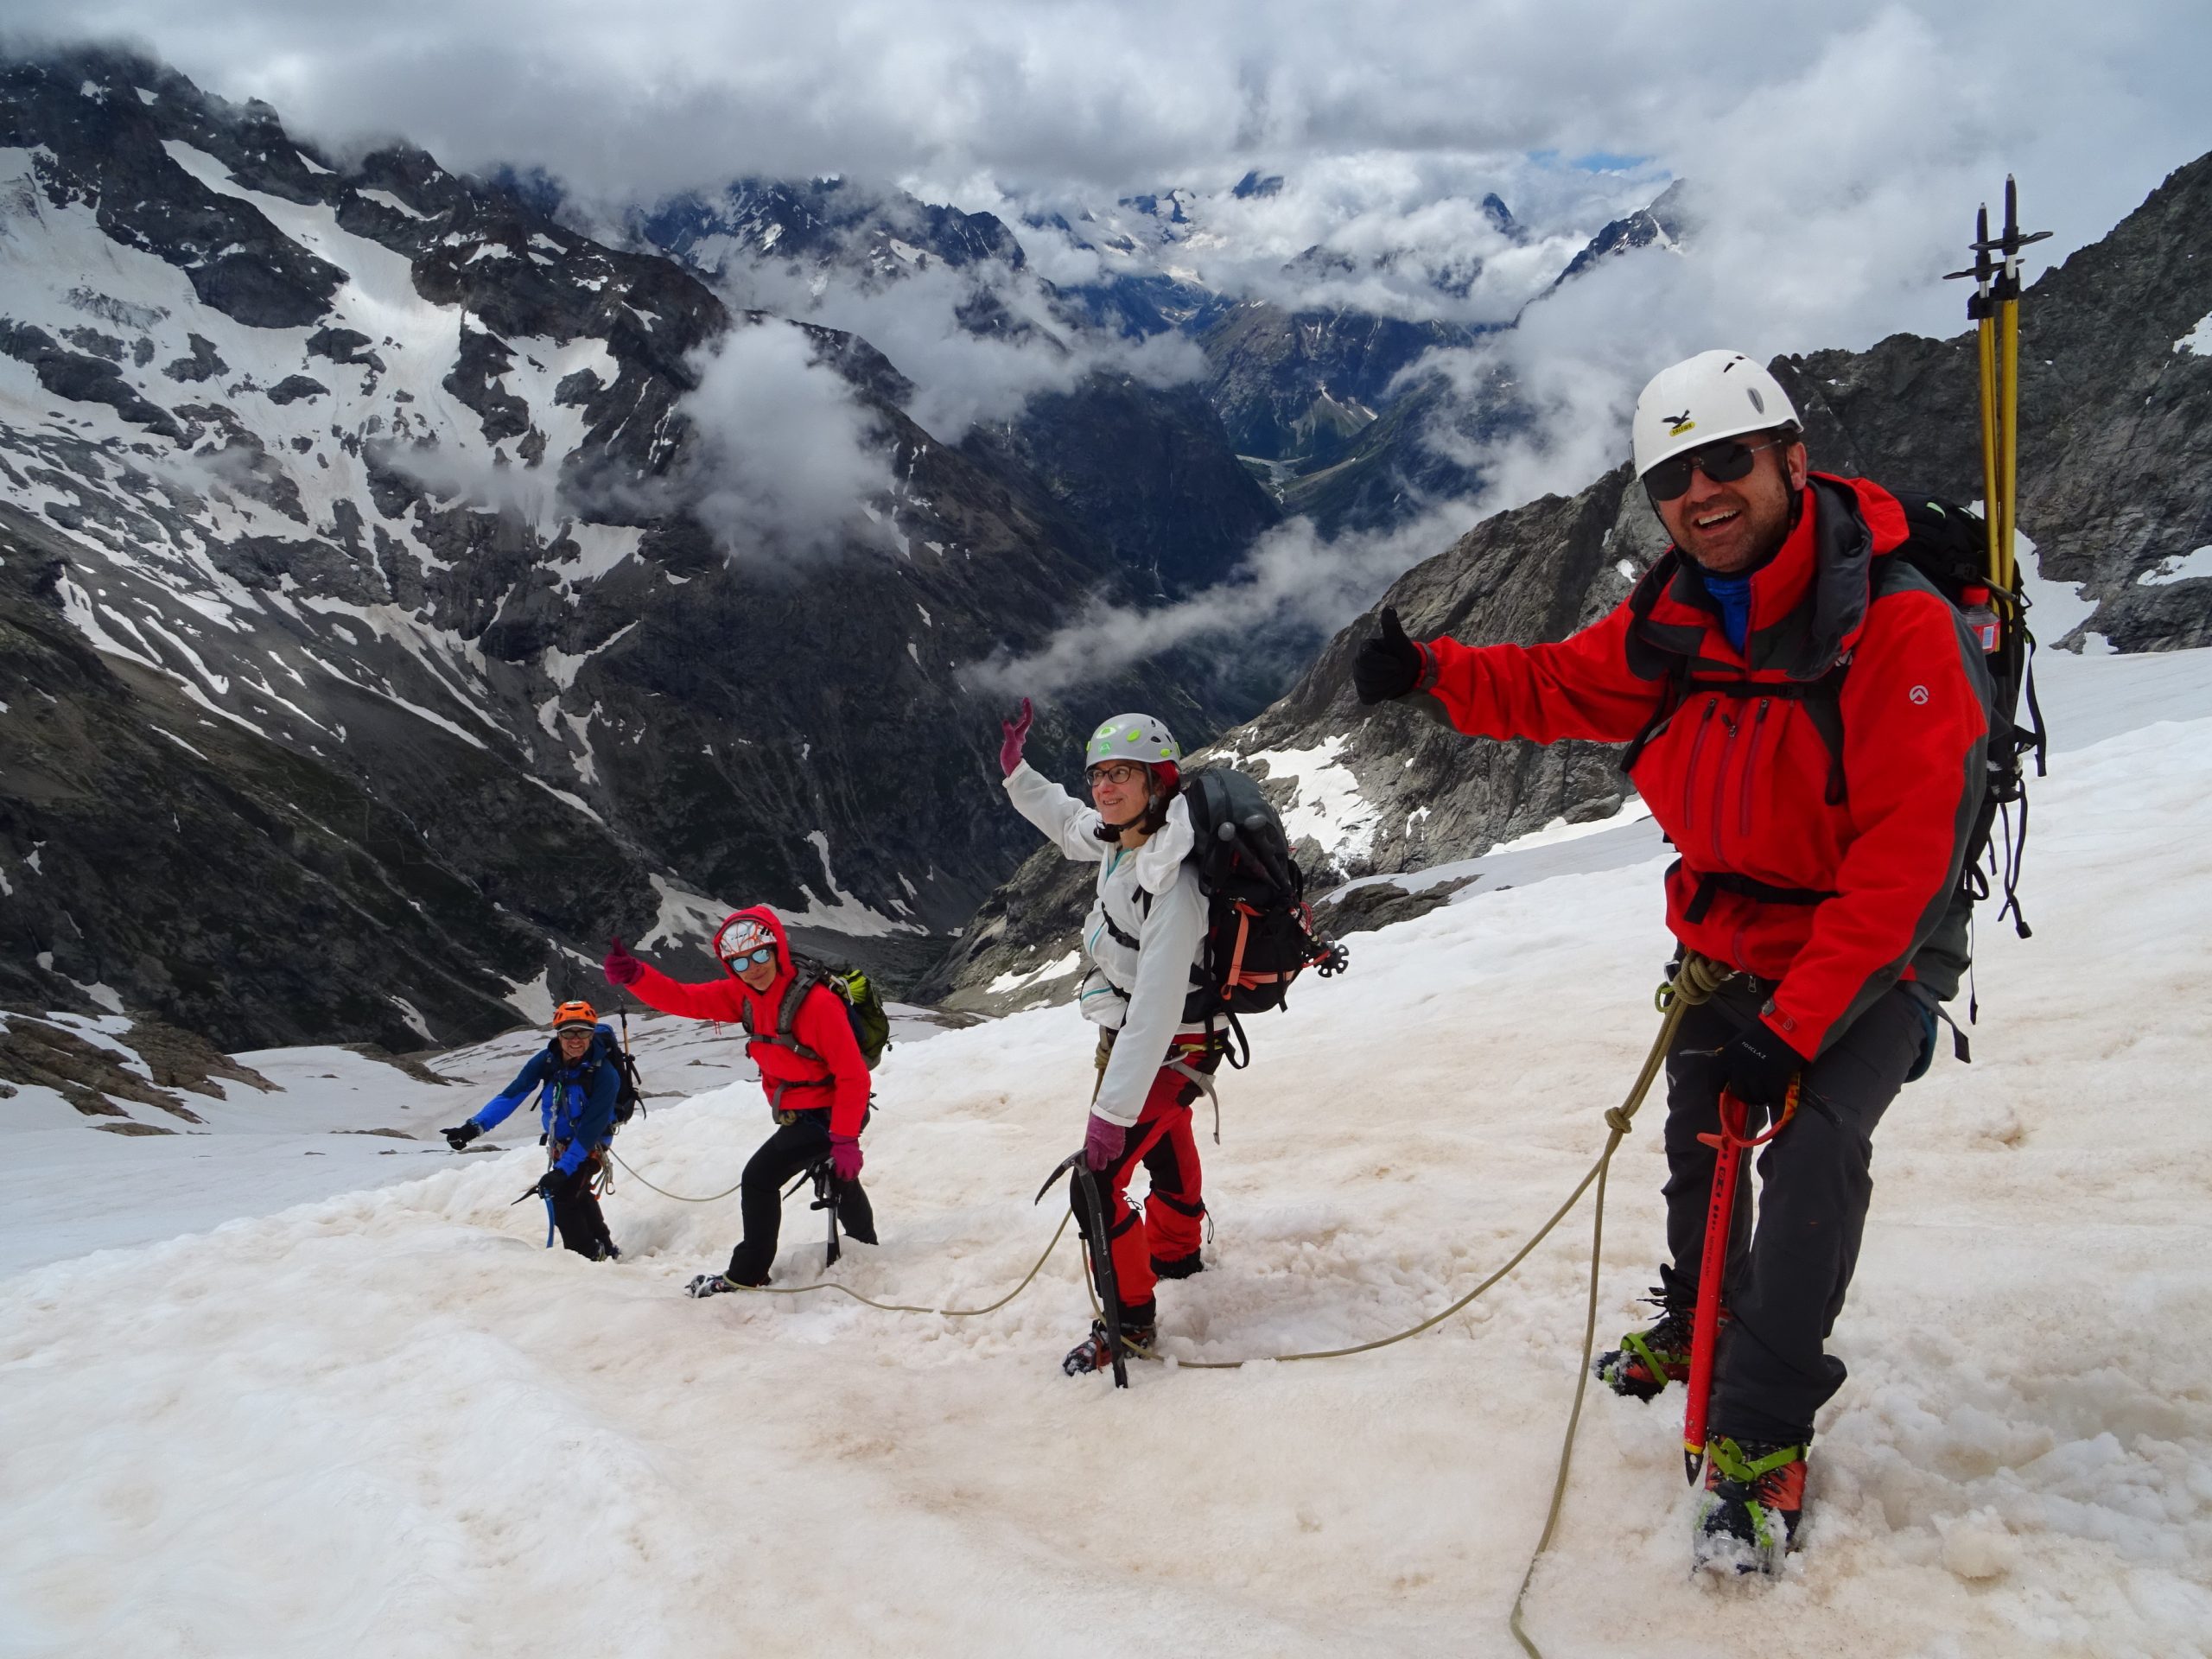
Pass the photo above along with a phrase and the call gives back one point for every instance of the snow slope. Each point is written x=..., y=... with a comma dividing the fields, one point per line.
x=392, y=1423
x=337, y=1122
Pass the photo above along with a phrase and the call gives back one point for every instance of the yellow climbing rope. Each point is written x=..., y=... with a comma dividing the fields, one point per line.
x=901, y=1308
x=1694, y=982
x=663, y=1190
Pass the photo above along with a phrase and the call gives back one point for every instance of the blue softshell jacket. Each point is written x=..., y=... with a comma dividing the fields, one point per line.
x=576, y=1102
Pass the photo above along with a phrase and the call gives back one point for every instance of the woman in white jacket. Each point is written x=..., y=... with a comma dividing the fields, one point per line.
x=1145, y=937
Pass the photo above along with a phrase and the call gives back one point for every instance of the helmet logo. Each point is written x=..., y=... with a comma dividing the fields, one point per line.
x=1678, y=424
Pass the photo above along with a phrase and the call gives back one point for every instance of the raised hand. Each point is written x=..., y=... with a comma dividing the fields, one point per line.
x=622, y=967
x=1389, y=664
x=1016, y=733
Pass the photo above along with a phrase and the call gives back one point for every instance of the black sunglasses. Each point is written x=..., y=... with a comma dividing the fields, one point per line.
x=1724, y=461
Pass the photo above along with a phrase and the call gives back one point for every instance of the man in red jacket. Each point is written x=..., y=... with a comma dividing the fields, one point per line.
x=811, y=1069
x=1807, y=720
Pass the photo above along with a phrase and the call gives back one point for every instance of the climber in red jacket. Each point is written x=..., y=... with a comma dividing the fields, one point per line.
x=813, y=1073
x=1807, y=720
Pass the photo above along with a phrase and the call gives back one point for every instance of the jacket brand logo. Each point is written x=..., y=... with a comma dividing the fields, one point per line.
x=1918, y=693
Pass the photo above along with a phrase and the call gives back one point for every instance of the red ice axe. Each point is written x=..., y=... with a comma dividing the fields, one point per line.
x=1728, y=1145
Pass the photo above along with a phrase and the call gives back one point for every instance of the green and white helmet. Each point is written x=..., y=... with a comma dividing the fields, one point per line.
x=1132, y=737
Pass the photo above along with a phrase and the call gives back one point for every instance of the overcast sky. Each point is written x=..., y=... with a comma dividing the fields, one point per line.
x=2096, y=101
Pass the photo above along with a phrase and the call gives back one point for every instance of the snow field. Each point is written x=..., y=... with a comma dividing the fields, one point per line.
x=392, y=1423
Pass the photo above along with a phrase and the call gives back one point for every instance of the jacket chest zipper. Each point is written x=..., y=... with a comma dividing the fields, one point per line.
x=1750, y=768
x=1721, y=783
x=1697, y=749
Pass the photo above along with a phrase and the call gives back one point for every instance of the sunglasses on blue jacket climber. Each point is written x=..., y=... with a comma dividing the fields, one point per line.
x=1724, y=461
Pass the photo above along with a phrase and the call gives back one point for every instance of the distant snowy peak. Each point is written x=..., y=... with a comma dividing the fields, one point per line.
x=1667, y=223
x=826, y=223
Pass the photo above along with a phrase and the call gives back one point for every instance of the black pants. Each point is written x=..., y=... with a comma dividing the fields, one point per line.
x=576, y=1213
x=795, y=1146
x=1786, y=1275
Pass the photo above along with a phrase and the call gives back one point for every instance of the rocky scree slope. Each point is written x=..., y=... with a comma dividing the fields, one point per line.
x=384, y=474
x=2116, y=491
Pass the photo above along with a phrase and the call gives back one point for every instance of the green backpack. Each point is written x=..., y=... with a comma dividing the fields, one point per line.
x=864, y=1007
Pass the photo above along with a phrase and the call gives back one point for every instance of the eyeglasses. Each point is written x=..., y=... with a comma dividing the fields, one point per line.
x=765, y=955
x=573, y=1033
x=1724, y=461
x=1121, y=775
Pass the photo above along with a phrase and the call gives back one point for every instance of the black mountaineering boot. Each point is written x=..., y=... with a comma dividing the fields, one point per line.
x=1094, y=1353
x=1747, y=1515
x=1648, y=1360
x=716, y=1284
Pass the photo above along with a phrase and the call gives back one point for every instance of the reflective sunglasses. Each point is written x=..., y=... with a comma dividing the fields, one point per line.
x=765, y=955
x=1724, y=461
x=1121, y=772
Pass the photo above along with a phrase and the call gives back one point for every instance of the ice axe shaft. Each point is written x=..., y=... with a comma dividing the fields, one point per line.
x=1102, y=1255
x=1728, y=1145
x=1719, y=1210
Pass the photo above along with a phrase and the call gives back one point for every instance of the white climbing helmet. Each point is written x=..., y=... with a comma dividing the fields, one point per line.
x=1132, y=737
x=1713, y=395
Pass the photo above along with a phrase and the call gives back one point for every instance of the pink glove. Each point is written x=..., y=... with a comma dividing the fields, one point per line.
x=622, y=967
x=1017, y=733
x=845, y=1157
x=1102, y=1141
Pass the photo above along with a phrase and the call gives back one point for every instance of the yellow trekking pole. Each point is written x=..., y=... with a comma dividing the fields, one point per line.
x=1995, y=308
x=1983, y=314
x=2008, y=340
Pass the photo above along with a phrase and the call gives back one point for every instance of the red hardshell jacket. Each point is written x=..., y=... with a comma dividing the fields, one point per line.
x=1745, y=786
x=838, y=1081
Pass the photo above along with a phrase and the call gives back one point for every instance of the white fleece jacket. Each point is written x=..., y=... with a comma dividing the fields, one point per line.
x=1151, y=896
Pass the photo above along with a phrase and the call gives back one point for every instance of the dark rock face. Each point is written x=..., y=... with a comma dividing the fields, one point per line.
x=2116, y=420
x=1374, y=906
x=1145, y=472
x=219, y=879
x=1298, y=388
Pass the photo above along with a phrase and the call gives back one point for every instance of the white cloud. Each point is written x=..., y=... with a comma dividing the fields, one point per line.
x=1291, y=579
x=960, y=377
x=784, y=453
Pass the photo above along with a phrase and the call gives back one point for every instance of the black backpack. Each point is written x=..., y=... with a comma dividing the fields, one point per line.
x=1947, y=544
x=1260, y=931
x=863, y=1008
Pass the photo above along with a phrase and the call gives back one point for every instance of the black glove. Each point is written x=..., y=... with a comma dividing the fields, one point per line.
x=1389, y=664
x=460, y=1134
x=550, y=1183
x=1757, y=1066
